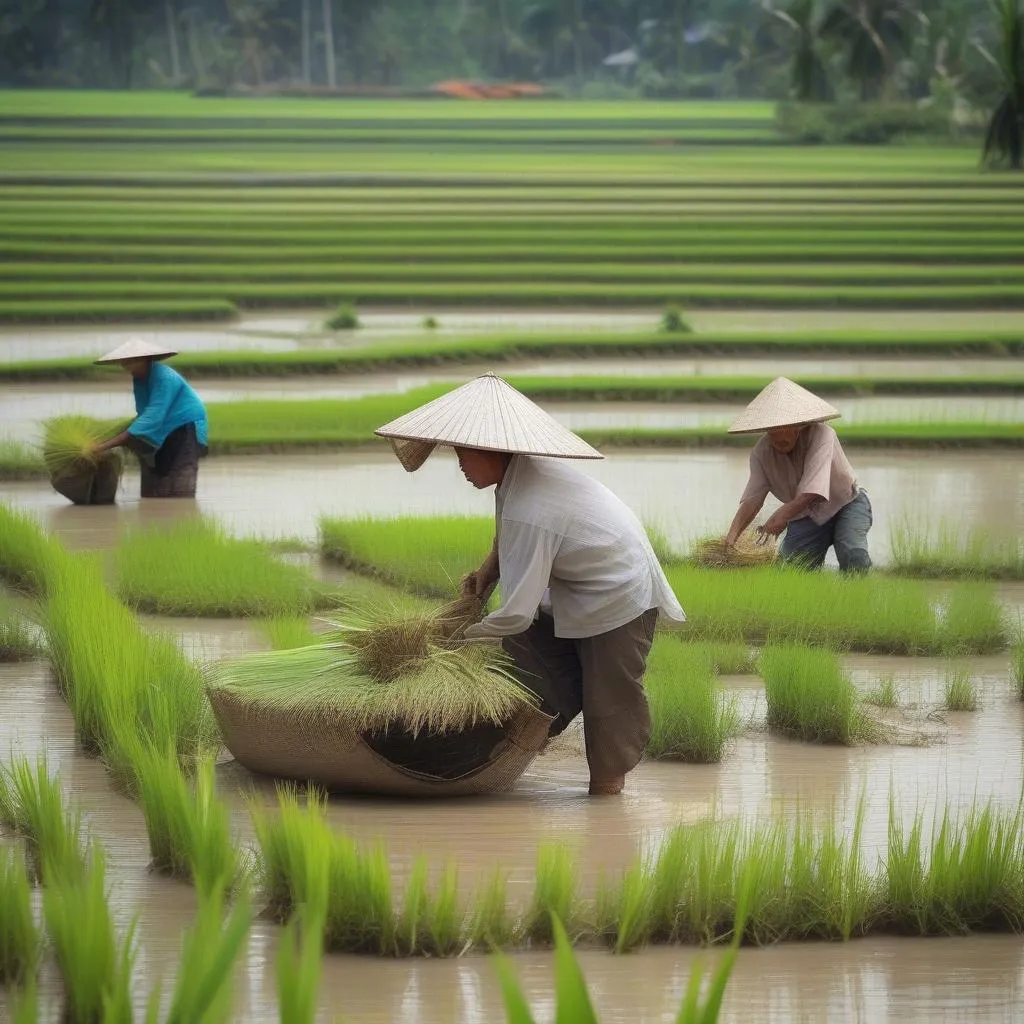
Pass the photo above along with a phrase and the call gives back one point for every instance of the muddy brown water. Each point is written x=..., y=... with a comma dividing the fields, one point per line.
x=974, y=756
x=686, y=494
x=26, y=406
x=304, y=328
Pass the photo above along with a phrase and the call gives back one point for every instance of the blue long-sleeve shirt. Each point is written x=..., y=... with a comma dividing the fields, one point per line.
x=165, y=401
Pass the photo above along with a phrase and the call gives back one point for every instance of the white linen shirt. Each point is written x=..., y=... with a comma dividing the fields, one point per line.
x=560, y=531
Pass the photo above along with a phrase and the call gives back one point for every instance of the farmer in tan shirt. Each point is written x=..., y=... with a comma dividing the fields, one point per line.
x=802, y=463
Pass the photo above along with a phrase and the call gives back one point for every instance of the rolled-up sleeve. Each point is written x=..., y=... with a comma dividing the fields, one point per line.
x=817, y=476
x=757, y=483
x=525, y=553
x=149, y=423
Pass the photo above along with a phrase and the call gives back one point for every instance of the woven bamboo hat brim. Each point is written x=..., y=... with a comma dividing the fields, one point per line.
x=783, y=403
x=136, y=349
x=486, y=413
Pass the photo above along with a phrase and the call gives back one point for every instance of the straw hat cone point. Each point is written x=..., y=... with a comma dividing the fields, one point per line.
x=136, y=349
x=487, y=413
x=783, y=403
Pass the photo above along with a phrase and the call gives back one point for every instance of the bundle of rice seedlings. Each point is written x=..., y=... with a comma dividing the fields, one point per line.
x=750, y=549
x=378, y=671
x=76, y=469
x=20, y=942
x=17, y=642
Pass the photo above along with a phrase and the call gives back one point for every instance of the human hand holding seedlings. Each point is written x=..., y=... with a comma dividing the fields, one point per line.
x=482, y=582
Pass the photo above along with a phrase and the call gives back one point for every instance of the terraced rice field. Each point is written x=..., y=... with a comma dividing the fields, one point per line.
x=546, y=239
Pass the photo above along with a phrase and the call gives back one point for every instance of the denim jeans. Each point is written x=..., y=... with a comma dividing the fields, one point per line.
x=847, y=531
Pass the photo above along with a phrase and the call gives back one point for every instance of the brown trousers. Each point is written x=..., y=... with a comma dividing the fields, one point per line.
x=602, y=676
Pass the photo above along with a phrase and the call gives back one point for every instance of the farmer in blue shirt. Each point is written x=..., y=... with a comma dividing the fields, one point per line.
x=169, y=432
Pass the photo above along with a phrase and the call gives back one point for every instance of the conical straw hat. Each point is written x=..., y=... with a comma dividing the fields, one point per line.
x=136, y=349
x=782, y=403
x=486, y=413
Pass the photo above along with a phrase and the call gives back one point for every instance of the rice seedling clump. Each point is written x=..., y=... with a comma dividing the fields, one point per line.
x=959, y=692
x=17, y=641
x=810, y=697
x=25, y=551
x=691, y=720
x=376, y=671
x=749, y=549
x=948, y=552
x=20, y=942
x=1017, y=666
x=76, y=469
x=195, y=568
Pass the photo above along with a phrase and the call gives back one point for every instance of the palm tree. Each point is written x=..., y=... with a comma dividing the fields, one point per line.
x=874, y=33
x=809, y=81
x=1003, y=140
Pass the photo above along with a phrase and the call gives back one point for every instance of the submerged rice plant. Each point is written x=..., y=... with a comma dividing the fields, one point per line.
x=298, y=850
x=556, y=881
x=810, y=697
x=210, y=951
x=188, y=826
x=17, y=642
x=1017, y=666
x=377, y=671
x=948, y=552
x=691, y=719
x=299, y=965
x=968, y=876
x=959, y=692
x=95, y=968
x=885, y=694
x=491, y=924
x=431, y=920
x=20, y=941
x=32, y=804
x=194, y=567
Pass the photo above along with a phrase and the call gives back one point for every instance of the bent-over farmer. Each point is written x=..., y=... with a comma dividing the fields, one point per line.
x=169, y=432
x=801, y=462
x=581, y=586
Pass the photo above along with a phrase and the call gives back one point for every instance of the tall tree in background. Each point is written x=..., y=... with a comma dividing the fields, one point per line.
x=1003, y=140
x=116, y=23
x=873, y=34
x=808, y=77
x=329, y=42
x=304, y=30
x=172, y=40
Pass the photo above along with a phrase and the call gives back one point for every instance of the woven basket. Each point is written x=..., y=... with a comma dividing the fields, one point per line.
x=83, y=483
x=334, y=755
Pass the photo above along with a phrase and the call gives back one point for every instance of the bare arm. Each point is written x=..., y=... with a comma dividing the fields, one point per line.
x=743, y=518
x=114, y=442
x=785, y=514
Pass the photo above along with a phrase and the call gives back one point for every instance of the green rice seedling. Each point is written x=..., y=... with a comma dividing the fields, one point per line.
x=724, y=658
x=210, y=950
x=25, y=551
x=95, y=968
x=885, y=694
x=297, y=847
x=959, y=692
x=289, y=633
x=430, y=922
x=70, y=442
x=32, y=804
x=19, y=461
x=300, y=952
x=554, y=895
x=674, y=322
x=405, y=677
x=948, y=552
x=425, y=555
x=20, y=942
x=691, y=720
x=24, y=1004
x=972, y=621
x=633, y=906
x=195, y=568
x=491, y=925
x=345, y=318
x=810, y=697
x=968, y=876
x=868, y=612
x=188, y=826
x=17, y=643
x=125, y=687
x=430, y=323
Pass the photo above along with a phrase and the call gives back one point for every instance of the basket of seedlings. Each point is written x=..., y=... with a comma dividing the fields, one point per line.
x=384, y=704
x=76, y=470
x=751, y=548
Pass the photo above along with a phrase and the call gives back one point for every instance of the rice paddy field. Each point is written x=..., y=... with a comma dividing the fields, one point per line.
x=828, y=820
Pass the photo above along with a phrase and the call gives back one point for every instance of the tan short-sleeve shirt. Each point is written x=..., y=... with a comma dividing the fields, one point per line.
x=816, y=465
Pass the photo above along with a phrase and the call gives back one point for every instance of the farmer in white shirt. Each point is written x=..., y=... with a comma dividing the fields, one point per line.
x=581, y=587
